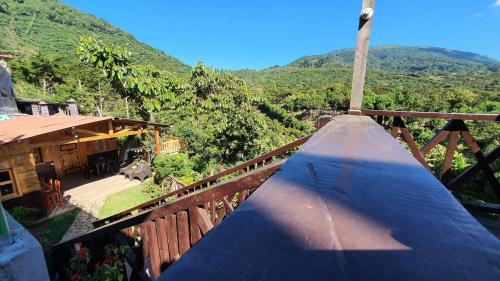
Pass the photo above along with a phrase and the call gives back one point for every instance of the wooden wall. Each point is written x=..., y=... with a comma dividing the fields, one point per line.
x=18, y=158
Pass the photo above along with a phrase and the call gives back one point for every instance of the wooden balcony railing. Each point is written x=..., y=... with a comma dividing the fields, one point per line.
x=163, y=229
x=453, y=129
x=166, y=232
x=169, y=225
x=170, y=145
x=262, y=160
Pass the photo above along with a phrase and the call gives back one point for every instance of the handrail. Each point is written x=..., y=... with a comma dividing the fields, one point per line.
x=433, y=115
x=204, y=182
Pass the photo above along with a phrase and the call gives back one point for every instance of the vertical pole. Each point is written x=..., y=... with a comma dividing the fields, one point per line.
x=361, y=55
x=5, y=238
x=157, y=142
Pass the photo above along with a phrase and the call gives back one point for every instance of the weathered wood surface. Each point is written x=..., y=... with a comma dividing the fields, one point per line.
x=361, y=59
x=351, y=205
x=433, y=115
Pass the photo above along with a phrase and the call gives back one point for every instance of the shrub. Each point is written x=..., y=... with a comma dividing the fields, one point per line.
x=178, y=165
x=25, y=215
x=276, y=112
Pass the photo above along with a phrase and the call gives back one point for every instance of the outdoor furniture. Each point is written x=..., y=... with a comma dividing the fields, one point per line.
x=138, y=171
x=102, y=163
x=57, y=193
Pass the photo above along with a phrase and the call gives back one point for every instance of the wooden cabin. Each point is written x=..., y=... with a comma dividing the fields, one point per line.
x=34, y=147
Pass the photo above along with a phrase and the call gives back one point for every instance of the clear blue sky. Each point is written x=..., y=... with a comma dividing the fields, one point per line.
x=257, y=34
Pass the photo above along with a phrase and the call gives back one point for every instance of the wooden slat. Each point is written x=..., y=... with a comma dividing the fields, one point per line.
x=194, y=226
x=450, y=153
x=204, y=221
x=490, y=175
x=161, y=231
x=228, y=205
x=183, y=232
x=213, y=214
x=440, y=136
x=395, y=132
x=243, y=196
x=221, y=214
x=474, y=169
x=154, y=252
x=173, y=244
x=142, y=231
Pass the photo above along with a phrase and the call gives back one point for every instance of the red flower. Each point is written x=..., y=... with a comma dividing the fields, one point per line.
x=83, y=251
x=107, y=261
x=76, y=277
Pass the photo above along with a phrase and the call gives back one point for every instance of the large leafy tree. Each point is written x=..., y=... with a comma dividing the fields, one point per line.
x=150, y=87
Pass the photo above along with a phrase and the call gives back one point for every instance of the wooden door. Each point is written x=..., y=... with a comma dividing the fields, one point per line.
x=70, y=158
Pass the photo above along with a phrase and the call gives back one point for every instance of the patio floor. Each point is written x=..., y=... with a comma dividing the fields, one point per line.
x=81, y=191
x=89, y=194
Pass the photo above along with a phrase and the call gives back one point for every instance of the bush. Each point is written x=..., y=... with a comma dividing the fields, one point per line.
x=25, y=215
x=276, y=112
x=178, y=165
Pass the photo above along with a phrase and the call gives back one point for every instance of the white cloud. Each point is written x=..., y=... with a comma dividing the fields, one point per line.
x=496, y=4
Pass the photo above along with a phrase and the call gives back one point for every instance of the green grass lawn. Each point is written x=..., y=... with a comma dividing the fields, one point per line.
x=123, y=200
x=51, y=231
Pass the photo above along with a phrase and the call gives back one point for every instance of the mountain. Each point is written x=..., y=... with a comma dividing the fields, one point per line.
x=52, y=28
x=405, y=59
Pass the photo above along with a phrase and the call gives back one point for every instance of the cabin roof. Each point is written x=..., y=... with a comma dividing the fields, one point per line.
x=25, y=127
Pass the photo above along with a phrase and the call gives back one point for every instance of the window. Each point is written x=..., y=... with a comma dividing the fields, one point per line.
x=37, y=154
x=6, y=184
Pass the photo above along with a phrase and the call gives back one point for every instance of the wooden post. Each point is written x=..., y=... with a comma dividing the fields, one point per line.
x=110, y=127
x=157, y=142
x=360, y=57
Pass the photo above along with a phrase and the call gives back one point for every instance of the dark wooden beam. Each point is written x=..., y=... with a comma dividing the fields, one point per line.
x=434, y=115
x=361, y=58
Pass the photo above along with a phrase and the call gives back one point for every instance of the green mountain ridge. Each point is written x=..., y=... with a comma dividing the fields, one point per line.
x=47, y=27
x=405, y=59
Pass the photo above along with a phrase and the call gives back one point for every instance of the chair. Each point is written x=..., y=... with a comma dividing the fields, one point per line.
x=48, y=195
x=57, y=193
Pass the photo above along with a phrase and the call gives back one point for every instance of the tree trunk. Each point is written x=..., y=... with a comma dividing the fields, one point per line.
x=126, y=107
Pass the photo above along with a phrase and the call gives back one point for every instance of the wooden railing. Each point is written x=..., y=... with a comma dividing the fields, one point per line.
x=454, y=129
x=166, y=232
x=262, y=160
x=171, y=145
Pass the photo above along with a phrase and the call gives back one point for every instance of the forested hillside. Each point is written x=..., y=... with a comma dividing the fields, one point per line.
x=50, y=28
x=405, y=59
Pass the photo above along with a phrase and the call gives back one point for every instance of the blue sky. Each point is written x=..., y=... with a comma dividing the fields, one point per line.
x=258, y=34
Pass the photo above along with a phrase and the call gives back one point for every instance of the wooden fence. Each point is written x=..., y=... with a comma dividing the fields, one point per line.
x=171, y=145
